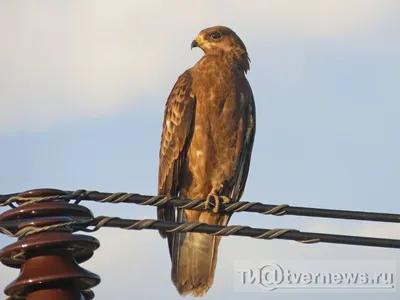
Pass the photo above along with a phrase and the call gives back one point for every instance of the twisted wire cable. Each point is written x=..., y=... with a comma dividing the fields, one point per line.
x=242, y=206
x=93, y=224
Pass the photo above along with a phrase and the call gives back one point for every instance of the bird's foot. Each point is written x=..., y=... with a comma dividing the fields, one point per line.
x=217, y=199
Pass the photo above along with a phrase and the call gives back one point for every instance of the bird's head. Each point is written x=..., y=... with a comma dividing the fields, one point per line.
x=219, y=40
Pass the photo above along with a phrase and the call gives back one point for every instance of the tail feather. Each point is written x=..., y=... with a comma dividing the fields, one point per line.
x=165, y=214
x=194, y=258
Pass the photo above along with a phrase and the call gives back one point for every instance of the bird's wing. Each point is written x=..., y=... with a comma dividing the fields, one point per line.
x=245, y=156
x=176, y=133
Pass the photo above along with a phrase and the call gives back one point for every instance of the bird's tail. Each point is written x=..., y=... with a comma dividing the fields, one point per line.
x=194, y=257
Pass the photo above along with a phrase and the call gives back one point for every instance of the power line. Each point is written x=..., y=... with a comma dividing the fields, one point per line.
x=242, y=206
x=83, y=224
x=45, y=221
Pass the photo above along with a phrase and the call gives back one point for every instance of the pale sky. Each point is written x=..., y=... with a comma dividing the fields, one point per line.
x=83, y=86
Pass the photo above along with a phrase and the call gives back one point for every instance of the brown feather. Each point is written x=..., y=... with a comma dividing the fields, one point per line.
x=177, y=129
x=206, y=148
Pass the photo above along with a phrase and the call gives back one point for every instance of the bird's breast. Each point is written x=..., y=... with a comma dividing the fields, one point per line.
x=219, y=100
x=218, y=129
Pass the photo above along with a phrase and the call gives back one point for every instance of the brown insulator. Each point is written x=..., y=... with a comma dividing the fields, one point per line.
x=49, y=260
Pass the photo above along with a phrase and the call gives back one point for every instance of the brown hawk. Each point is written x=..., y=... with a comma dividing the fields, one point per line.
x=206, y=145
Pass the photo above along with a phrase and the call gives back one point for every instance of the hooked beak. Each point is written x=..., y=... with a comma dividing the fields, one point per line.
x=194, y=44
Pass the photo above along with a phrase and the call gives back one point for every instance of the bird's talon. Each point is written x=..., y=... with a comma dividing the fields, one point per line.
x=217, y=201
x=216, y=208
x=225, y=199
x=207, y=202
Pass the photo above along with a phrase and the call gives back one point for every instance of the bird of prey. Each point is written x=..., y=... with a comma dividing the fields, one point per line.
x=206, y=146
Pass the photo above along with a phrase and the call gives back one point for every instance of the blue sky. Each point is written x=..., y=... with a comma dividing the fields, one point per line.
x=82, y=91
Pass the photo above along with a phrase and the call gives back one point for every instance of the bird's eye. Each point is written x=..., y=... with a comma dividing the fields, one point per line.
x=216, y=35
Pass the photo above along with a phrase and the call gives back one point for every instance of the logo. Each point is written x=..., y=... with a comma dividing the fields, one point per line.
x=320, y=275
